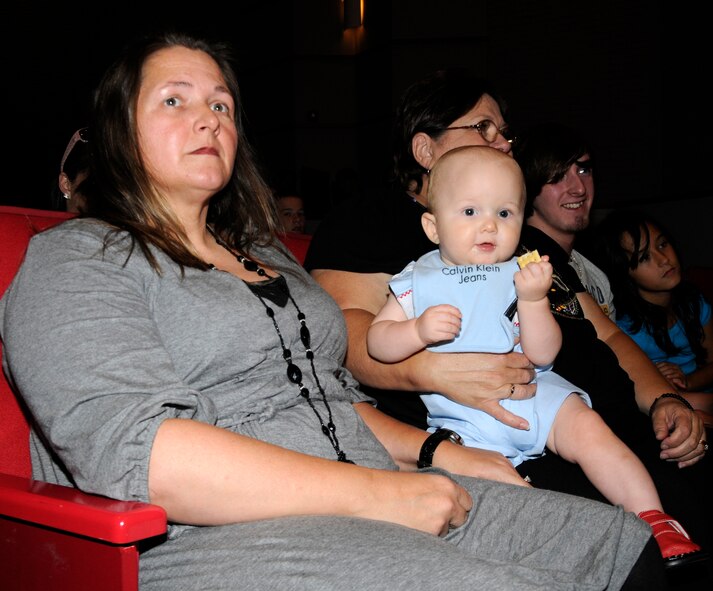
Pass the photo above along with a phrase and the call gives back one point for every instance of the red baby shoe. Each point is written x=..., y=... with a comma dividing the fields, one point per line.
x=675, y=544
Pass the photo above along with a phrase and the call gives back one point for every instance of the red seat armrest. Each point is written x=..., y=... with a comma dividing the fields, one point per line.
x=75, y=512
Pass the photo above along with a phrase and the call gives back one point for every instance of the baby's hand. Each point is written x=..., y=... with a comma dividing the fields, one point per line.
x=533, y=281
x=438, y=323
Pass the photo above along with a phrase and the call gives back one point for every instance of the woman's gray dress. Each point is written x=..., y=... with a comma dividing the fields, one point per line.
x=103, y=349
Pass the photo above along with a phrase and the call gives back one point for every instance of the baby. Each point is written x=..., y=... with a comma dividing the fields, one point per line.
x=470, y=295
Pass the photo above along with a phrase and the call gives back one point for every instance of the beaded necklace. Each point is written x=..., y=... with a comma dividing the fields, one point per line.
x=294, y=373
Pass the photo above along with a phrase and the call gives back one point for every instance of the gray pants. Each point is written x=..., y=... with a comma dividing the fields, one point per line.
x=515, y=538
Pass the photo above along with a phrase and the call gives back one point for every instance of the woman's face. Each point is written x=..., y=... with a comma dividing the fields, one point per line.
x=186, y=124
x=658, y=268
x=486, y=108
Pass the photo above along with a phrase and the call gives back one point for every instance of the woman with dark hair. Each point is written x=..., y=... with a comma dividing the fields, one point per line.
x=363, y=242
x=170, y=350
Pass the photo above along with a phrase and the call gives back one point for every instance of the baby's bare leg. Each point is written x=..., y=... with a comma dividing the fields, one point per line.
x=581, y=436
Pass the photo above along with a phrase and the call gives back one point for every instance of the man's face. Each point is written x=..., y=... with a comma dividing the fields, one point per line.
x=562, y=208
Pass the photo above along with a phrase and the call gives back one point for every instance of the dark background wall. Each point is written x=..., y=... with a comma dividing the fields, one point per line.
x=319, y=97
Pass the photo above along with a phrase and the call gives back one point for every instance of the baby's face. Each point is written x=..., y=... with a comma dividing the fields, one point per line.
x=479, y=210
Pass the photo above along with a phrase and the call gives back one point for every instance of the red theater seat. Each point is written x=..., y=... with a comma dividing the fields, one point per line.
x=54, y=537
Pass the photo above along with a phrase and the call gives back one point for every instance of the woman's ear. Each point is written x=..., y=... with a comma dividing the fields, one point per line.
x=428, y=223
x=422, y=148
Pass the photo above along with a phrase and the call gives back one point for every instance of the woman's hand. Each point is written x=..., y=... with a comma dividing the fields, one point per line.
x=680, y=430
x=432, y=503
x=480, y=380
x=673, y=374
x=480, y=463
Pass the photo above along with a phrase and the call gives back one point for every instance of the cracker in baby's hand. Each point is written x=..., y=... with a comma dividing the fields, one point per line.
x=529, y=257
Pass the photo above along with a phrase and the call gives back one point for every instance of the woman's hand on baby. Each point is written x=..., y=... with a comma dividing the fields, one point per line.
x=481, y=380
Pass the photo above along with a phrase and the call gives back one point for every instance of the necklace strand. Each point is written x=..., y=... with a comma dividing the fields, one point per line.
x=294, y=373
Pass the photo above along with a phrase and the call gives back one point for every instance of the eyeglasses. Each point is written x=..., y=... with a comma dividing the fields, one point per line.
x=81, y=135
x=488, y=130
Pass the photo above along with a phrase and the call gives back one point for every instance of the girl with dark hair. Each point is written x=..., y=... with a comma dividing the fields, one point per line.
x=666, y=316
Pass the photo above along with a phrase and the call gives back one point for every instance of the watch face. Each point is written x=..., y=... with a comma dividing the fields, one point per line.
x=455, y=438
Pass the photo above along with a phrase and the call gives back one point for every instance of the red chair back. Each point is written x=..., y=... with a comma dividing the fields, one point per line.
x=17, y=226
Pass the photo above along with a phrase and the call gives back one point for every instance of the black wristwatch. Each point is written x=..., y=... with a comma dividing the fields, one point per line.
x=425, y=458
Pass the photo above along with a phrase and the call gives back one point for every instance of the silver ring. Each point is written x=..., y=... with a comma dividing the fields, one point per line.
x=512, y=389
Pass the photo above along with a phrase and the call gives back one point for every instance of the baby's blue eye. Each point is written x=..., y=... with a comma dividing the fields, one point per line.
x=171, y=101
x=469, y=211
x=504, y=214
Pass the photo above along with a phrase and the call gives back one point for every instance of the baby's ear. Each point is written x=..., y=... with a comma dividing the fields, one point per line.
x=428, y=222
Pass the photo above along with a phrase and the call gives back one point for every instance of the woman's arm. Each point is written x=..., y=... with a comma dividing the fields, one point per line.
x=245, y=479
x=404, y=443
x=678, y=428
x=479, y=380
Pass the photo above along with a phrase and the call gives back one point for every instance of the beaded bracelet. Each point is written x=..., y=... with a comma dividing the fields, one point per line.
x=670, y=395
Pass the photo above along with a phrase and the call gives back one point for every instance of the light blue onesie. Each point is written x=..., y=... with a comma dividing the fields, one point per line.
x=485, y=295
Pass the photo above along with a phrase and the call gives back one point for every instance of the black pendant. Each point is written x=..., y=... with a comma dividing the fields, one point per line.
x=304, y=336
x=294, y=373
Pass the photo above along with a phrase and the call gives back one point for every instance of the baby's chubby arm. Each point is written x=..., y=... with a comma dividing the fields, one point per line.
x=393, y=337
x=540, y=335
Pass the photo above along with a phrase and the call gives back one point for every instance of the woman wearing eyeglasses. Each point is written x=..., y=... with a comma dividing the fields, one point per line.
x=362, y=243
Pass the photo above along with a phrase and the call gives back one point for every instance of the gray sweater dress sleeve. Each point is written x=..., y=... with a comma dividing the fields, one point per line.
x=104, y=349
